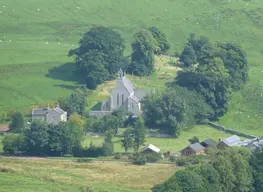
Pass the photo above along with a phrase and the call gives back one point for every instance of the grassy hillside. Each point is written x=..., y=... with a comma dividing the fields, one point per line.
x=56, y=175
x=35, y=37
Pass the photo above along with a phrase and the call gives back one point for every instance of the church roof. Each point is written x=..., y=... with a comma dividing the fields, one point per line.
x=133, y=97
x=128, y=84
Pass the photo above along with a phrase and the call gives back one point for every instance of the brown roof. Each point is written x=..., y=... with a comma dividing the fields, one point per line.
x=4, y=128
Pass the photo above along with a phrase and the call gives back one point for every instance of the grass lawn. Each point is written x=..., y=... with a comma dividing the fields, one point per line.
x=169, y=144
x=35, y=37
x=56, y=175
x=1, y=145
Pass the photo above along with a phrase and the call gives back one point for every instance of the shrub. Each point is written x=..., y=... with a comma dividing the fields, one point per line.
x=182, y=161
x=153, y=157
x=172, y=158
x=84, y=160
x=117, y=156
x=140, y=160
x=68, y=155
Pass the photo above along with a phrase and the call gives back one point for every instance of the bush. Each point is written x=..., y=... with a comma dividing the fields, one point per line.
x=68, y=155
x=172, y=158
x=84, y=160
x=153, y=157
x=117, y=156
x=140, y=160
x=182, y=161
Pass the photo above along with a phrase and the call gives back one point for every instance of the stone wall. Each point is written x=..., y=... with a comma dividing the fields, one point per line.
x=234, y=132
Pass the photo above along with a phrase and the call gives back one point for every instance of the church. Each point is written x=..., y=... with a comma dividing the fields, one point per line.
x=123, y=95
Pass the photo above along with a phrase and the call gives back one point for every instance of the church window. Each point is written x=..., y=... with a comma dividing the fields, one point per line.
x=132, y=105
x=122, y=98
x=118, y=99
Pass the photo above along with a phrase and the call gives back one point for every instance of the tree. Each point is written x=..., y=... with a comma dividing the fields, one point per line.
x=142, y=57
x=161, y=40
x=17, y=123
x=106, y=123
x=108, y=147
x=174, y=109
x=77, y=120
x=194, y=140
x=37, y=138
x=139, y=134
x=235, y=61
x=99, y=55
x=128, y=139
x=76, y=102
x=12, y=143
x=188, y=56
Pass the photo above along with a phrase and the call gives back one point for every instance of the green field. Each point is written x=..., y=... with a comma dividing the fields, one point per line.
x=57, y=175
x=35, y=37
x=202, y=132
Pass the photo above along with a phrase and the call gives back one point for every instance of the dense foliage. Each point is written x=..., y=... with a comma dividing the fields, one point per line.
x=174, y=109
x=42, y=139
x=214, y=70
x=162, y=43
x=231, y=170
x=17, y=123
x=142, y=57
x=99, y=55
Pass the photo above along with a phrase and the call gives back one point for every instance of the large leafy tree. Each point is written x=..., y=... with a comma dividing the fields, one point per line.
x=106, y=123
x=128, y=139
x=174, y=109
x=76, y=102
x=37, y=138
x=17, y=123
x=188, y=56
x=99, y=55
x=139, y=133
x=142, y=57
x=162, y=43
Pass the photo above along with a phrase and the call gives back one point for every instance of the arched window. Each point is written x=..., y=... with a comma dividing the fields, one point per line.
x=122, y=99
x=132, y=105
x=118, y=99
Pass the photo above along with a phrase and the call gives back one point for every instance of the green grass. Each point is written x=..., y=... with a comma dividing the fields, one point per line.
x=169, y=144
x=28, y=73
x=1, y=144
x=53, y=175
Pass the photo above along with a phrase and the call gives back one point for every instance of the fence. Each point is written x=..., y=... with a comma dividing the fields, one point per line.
x=222, y=128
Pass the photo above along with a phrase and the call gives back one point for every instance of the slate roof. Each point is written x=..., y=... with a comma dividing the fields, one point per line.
x=208, y=142
x=231, y=141
x=59, y=110
x=140, y=93
x=196, y=147
x=133, y=97
x=151, y=147
x=128, y=85
x=39, y=111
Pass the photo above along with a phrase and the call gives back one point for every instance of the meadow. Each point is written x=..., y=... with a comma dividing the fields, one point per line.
x=28, y=175
x=36, y=36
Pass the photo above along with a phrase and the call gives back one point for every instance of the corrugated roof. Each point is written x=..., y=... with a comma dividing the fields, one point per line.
x=151, y=147
x=128, y=84
x=196, y=147
x=231, y=141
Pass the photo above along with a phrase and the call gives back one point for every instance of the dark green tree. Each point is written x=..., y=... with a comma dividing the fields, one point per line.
x=188, y=56
x=17, y=123
x=194, y=140
x=37, y=138
x=76, y=102
x=99, y=55
x=128, y=139
x=108, y=147
x=139, y=134
x=161, y=40
x=106, y=123
x=142, y=57
x=12, y=143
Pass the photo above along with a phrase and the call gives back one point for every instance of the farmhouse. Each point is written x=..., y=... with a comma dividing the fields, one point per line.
x=193, y=149
x=50, y=115
x=150, y=149
x=124, y=95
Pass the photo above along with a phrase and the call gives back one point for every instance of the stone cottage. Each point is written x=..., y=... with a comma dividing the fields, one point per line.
x=50, y=115
x=124, y=95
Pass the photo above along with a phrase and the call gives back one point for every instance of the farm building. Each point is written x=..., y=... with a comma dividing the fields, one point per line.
x=229, y=142
x=150, y=149
x=209, y=143
x=193, y=149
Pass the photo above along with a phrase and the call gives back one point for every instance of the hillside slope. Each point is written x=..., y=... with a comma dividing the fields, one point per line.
x=35, y=37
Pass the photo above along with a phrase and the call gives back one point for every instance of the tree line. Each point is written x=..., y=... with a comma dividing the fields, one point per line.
x=231, y=170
